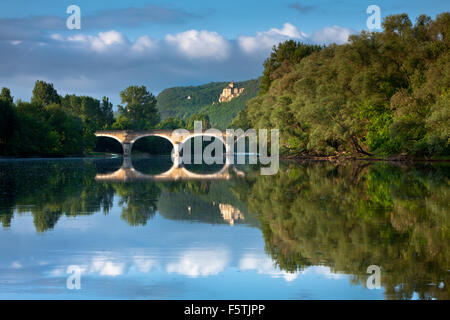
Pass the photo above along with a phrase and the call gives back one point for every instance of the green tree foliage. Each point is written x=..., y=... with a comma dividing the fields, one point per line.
x=282, y=59
x=51, y=125
x=47, y=131
x=8, y=122
x=44, y=94
x=6, y=95
x=95, y=115
x=106, y=113
x=190, y=122
x=382, y=93
x=139, y=112
x=171, y=123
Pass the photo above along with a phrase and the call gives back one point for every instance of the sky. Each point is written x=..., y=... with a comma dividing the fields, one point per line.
x=163, y=44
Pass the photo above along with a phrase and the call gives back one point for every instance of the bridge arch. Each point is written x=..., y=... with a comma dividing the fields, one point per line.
x=163, y=136
x=218, y=136
x=102, y=135
x=110, y=136
x=153, y=135
x=204, y=134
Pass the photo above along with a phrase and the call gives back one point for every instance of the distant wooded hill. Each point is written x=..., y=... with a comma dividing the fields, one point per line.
x=174, y=102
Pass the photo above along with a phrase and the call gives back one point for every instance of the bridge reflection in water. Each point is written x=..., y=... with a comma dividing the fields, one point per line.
x=127, y=173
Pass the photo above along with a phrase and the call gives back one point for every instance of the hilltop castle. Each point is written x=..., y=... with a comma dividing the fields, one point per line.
x=231, y=91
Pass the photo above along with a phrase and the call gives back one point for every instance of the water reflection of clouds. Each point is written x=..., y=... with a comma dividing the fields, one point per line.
x=262, y=264
x=198, y=262
x=194, y=263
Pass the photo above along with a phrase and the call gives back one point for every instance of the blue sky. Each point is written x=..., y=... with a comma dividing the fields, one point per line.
x=162, y=44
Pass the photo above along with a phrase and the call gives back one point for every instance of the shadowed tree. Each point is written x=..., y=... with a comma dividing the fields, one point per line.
x=6, y=95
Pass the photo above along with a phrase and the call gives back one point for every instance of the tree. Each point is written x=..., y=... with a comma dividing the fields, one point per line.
x=282, y=58
x=106, y=113
x=8, y=123
x=6, y=95
x=140, y=108
x=171, y=123
x=198, y=117
x=44, y=94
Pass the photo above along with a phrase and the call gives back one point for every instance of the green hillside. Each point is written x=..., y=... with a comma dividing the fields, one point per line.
x=221, y=114
x=174, y=102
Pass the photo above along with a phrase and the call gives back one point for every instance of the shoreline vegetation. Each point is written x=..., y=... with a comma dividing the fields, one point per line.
x=382, y=96
x=103, y=155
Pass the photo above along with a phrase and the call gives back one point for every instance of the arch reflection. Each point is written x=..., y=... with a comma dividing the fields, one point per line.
x=127, y=173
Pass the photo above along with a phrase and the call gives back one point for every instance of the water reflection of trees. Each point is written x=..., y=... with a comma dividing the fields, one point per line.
x=349, y=217
x=138, y=201
x=52, y=189
x=49, y=190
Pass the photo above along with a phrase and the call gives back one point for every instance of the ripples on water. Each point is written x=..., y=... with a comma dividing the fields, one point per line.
x=146, y=230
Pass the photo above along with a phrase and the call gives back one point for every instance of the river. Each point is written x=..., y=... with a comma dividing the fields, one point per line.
x=134, y=231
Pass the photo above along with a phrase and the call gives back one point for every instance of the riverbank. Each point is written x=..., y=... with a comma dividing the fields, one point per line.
x=87, y=156
x=340, y=158
x=99, y=155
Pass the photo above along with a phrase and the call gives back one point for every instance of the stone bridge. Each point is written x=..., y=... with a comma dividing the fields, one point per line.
x=127, y=138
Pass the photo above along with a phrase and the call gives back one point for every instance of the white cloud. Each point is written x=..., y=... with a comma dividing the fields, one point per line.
x=144, y=43
x=200, y=263
x=57, y=37
x=144, y=264
x=334, y=34
x=107, y=268
x=101, y=42
x=265, y=40
x=200, y=44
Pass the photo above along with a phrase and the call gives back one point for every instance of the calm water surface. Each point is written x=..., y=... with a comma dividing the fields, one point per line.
x=144, y=230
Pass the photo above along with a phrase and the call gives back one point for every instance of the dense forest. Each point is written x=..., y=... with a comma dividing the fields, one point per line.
x=381, y=94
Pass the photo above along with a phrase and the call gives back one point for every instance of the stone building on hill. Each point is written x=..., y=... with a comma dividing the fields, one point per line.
x=231, y=91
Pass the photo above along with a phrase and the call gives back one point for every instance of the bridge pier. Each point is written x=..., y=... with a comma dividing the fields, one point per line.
x=126, y=149
x=229, y=154
x=176, y=157
x=127, y=164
